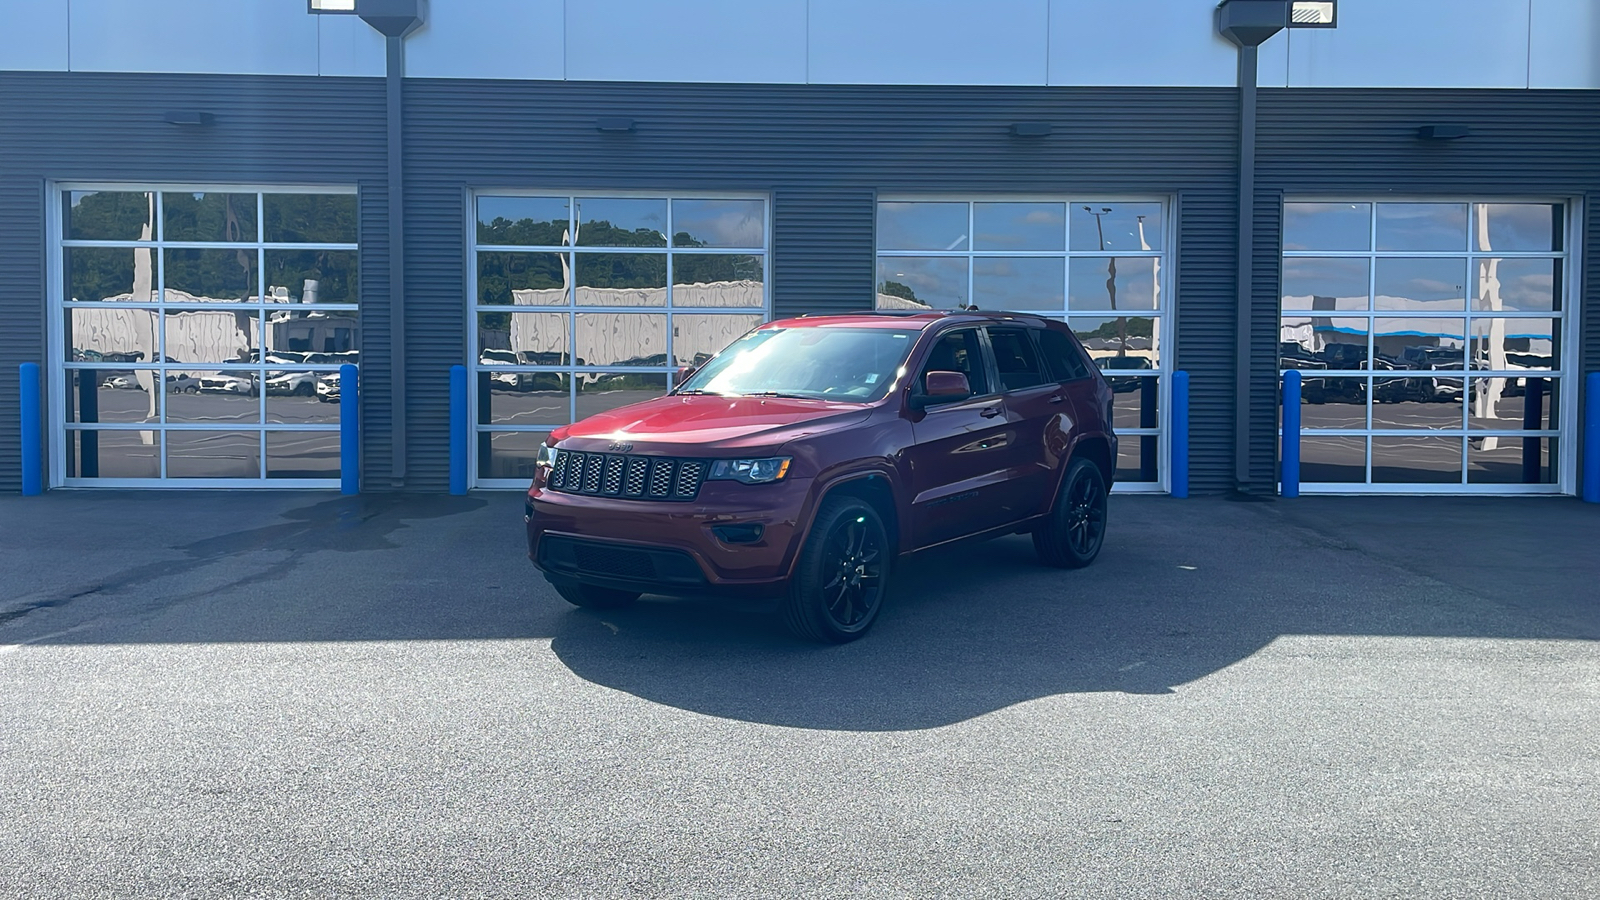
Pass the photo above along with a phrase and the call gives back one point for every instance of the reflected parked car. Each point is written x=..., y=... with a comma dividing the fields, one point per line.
x=328, y=388
x=244, y=385
x=182, y=383
x=292, y=384
x=1124, y=363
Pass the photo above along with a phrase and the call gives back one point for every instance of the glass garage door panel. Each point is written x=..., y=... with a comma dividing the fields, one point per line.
x=1428, y=337
x=1100, y=265
x=201, y=333
x=586, y=302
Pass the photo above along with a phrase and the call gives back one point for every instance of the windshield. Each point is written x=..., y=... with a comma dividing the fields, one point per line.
x=816, y=362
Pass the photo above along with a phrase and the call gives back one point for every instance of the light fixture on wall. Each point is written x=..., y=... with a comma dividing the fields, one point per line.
x=1314, y=14
x=1030, y=129
x=192, y=117
x=336, y=7
x=1443, y=132
x=613, y=123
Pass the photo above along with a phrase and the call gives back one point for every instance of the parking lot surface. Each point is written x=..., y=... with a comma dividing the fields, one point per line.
x=300, y=694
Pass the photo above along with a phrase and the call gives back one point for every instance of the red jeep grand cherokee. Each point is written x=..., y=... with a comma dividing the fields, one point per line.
x=803, y=459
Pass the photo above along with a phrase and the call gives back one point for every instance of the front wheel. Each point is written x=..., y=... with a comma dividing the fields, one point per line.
x=590, y=596
x=842, y=575
x=1071, y=537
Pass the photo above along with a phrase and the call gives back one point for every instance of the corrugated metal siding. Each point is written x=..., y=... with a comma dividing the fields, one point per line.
x=1265, y=302
x=1364, y=142
x=1207, y=270
x=823, y=256
x=821, y=152
x=377, y=398
x=108, y=127
x=436, y=314
x=1591, y=305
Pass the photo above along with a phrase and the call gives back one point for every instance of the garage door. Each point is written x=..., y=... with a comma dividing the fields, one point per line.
x=199, y=333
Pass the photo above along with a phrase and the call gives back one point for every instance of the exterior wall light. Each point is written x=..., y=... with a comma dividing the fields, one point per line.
x=337, y=7
x=1030, y=129
x=614, y=123
x=187, y=117
x=1314, y=14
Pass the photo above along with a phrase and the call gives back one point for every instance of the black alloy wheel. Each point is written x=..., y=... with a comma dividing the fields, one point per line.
x=1076, y=528
x=842, y=576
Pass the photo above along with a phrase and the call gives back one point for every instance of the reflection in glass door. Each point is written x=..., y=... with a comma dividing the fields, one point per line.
x=585, y=303
x=199, y=333
x=1100, y=265
x=1429, y=339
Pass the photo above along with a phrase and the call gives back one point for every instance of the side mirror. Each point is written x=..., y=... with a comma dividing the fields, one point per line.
x=941, y=386
x=682, y=375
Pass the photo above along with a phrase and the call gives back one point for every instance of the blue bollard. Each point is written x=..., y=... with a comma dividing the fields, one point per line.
x=1591, y=438
x=458, y=430
x=1180, y=433
x=1290, y=476
x=349, y=429
x=32, y=431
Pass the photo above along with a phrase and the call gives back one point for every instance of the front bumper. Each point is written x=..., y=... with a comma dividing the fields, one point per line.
x=670, y=547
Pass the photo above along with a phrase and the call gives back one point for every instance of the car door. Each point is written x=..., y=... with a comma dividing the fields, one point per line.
x=957, y=462
x=1041, y=412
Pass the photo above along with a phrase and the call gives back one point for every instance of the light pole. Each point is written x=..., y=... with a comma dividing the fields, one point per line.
x=1111, y=278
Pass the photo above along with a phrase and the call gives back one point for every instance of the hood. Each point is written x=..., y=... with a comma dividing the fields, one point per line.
x=716, y=422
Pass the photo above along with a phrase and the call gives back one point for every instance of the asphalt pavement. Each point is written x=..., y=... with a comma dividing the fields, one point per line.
x=220, y=694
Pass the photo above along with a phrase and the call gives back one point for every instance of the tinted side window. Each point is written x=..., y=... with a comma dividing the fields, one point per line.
x=1066, y=363
x=1016, y=359
x=957, y=351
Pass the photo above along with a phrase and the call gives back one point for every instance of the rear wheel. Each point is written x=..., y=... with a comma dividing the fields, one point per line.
x=590, y=596
x=842, y=575
x=1071, y=537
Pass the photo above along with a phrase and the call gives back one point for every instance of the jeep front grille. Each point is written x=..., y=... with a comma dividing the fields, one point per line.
x=628, y=477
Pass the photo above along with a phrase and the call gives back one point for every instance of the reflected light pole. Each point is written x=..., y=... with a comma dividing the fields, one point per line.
x=1111, y=279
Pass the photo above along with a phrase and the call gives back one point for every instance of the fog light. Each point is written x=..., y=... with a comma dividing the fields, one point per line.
x=744, y=533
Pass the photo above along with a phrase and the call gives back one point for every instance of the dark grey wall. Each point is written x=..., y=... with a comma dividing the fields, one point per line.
x=96, y=127
x=1522, y=143
x=823, y=152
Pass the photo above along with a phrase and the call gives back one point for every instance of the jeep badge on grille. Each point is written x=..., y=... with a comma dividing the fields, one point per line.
x=620, y=446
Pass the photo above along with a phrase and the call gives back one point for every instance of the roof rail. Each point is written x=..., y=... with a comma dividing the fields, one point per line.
x=902, y=313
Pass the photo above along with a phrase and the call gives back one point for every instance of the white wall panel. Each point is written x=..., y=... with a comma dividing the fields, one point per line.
x=1416, y=43
x=1564, y=47
x=348, y=46
x=687, y=40
x=1272, y=62
x=1156, y=42
x=35, y=36
x=246, y=38
x=490, y=39
x=918, y=42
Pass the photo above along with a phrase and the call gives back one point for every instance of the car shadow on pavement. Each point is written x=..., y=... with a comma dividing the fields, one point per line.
x=1182, y=590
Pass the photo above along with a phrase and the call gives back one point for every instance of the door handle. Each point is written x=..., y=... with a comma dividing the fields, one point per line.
x=990, y=412
x=1058, y=399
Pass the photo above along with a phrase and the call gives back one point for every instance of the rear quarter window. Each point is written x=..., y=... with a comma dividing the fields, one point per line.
x=1061, y=354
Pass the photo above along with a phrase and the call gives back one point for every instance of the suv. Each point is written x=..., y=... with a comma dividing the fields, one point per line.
x=800, y=461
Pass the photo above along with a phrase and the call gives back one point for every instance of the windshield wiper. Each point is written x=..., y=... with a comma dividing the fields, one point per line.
x=778, y=394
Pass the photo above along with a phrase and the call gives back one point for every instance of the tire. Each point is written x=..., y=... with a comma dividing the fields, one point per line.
x=1071, y=537
x=590, y=596
x=303, y=390
x=842, y=576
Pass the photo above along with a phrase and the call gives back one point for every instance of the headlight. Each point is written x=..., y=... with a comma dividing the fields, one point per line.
x=750, y=471
x=547, y=455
